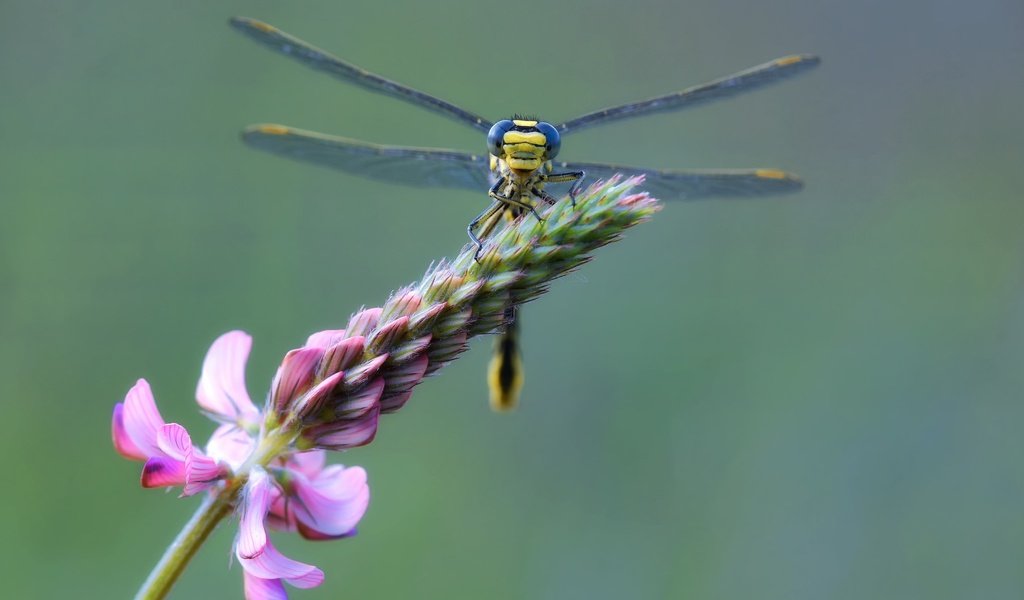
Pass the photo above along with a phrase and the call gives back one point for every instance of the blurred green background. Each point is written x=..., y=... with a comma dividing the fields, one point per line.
x=817, y=396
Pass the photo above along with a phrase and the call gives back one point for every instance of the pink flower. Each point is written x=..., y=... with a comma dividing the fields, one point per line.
x=171, y=459
x=296, y=491
x=140, y=433
x=321, y=503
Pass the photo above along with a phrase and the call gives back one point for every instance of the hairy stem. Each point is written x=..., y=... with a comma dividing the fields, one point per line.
x=177, y=556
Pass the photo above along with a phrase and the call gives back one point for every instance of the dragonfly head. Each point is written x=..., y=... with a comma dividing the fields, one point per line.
x=523, y=145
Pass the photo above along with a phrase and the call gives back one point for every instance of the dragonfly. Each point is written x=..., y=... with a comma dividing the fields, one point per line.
x=520, y=161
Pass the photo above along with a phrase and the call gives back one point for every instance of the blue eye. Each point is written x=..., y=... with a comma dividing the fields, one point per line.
x=496, y=136
x=551, y=134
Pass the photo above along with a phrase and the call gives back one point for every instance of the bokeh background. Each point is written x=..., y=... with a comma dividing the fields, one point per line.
x=817, y=396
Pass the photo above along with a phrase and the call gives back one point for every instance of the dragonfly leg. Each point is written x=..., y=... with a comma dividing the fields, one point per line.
x=526, y=206
x=513, y=201
x=574, y=176
x=543, y=195
x=487, y=215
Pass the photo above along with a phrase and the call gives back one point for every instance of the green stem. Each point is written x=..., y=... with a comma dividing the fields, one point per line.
x=184, y=547
x=213, y=509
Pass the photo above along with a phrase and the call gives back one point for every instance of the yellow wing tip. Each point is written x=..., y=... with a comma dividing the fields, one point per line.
x=793, y=59
x=253, y=23
x=267, y=129
x=776, y=174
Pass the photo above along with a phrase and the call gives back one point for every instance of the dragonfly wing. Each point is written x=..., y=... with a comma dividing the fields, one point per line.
x=695, y=184
x=744, y=81
x=396, y=164
x=320, y=60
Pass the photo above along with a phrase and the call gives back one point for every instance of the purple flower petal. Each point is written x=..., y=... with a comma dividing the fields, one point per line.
x=443, y=350
x=252, y=536
x=346, y=434
x=141, y=419
x=325, y=339
x=359, y=403
x=360, y=374
x=385, y=337
x=122, y=442
x=342, y=355
x=404, y=377
x=257, y=588
x=271, y=564
x=230, y=444
x=403, y=303
x=294, y=376
x=174, y=441
x=333, y=503
x=221, y=388
x=160, y=471
x=308, y=463
x=313, y=401
x=393, y=402
x=200, y=471
x=400, y=382
x=424, y=319
x=411, y=348
x=363, y=322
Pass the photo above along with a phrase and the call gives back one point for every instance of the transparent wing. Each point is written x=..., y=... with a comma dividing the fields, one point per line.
x=320, y=60
x=397, y=164
x=694, y=184
x=744, y=81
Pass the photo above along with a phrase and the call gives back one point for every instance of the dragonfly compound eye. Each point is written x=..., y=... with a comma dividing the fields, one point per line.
x=496, y=136
x=554, y=140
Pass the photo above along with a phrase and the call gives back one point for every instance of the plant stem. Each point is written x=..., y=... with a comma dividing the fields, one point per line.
x=213, y=509
x=206, y=518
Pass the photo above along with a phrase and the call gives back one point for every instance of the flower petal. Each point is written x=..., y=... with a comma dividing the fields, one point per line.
x=363, y=372
x=308, y=463
x=385, y=337
x=294, y=376
x=394, y=402
x=342, y=354
x=221, y=388
x=363, y=322
x=160, y=471
x=402, y=303
x=332, y=504
x=271, y=564
x=257, y=588
x=313, y=401
x=230, y=444
x=122, y=442
x=252, y=536
x=360, y=402
x=201, y=472
x=326, y=338
x=345, y=434
x=174, y=441
x=141, y=419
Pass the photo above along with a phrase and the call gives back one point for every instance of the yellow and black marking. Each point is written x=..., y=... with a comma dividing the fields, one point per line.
x=521, y=153
x=505, y=371
x=521, y=157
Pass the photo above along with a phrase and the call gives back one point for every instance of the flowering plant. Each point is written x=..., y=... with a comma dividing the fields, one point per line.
x=269, y=464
